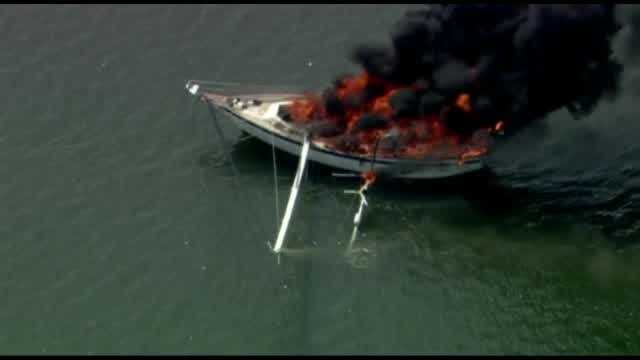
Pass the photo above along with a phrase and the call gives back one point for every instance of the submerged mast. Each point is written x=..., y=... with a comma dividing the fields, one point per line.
x=293, y=196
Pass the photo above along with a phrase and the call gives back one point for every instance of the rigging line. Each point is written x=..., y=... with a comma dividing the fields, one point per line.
x=375, y=154
x=224, y=83
x=311, y=214
x=223, y=139
x=193, y=128
x=305, y=287
x=205, y=83
x=193, y=116
x=275, y=178
x=234, y=169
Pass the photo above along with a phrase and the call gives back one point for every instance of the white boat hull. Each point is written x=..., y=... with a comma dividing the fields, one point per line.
x=263, y=123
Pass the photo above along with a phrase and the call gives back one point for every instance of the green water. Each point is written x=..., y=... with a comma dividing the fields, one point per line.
x=121, y=232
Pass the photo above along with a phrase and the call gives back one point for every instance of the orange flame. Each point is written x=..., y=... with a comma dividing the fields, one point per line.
x=422, y=136
x=382, y=105
x=353, y=86
x=471, y=154
x=464, y=103
x=370, y=177
x=306, y=109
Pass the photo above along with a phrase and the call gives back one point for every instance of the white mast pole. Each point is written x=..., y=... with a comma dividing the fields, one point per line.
x=293, y=195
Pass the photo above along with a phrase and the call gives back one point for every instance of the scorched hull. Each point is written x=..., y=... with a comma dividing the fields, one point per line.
x=258, y=116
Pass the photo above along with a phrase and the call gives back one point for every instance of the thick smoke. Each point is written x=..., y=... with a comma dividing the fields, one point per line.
x=515, y=63
x=628, y=43
x=455, y=73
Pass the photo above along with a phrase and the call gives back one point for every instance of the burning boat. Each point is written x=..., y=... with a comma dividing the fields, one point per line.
x=404, y=151
x=366, y=139
x=428, y=106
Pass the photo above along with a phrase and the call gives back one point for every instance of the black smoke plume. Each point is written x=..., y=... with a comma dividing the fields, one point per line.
x=518, y=63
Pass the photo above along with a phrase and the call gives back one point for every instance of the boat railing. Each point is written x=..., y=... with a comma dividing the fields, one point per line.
x=244, y=90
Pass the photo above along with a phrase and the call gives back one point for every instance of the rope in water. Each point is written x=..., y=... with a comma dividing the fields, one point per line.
x=227, y=152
